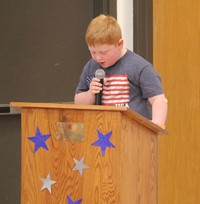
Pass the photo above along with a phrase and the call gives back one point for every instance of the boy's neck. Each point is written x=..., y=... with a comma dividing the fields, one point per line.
x=123, y=52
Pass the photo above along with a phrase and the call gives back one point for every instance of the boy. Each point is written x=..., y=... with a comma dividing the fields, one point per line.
x=129, y=79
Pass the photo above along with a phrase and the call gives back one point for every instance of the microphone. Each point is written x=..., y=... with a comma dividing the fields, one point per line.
x=100, y=74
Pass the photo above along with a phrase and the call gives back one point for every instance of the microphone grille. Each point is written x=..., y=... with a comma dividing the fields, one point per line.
x=100, y=74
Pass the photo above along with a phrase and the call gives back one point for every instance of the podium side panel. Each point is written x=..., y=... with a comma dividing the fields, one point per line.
x=138, y=163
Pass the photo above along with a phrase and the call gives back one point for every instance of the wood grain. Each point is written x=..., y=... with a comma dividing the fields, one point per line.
x=176, y=37
x=134, y=115
x=125, y=174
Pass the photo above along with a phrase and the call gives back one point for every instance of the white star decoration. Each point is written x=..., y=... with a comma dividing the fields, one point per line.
x=47, y=183
x=79, y=165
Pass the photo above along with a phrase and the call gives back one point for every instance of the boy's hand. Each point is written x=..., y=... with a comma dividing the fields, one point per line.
x=95, y=86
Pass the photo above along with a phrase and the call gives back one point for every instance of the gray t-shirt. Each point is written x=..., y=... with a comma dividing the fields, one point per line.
x=129, y=82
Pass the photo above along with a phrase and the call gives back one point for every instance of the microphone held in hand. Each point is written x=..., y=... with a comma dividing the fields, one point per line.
x=100, y=74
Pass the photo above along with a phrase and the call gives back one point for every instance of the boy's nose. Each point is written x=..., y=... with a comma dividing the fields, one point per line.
x=98, y=57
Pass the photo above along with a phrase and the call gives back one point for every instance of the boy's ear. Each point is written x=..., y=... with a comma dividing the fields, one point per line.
x=121, y=43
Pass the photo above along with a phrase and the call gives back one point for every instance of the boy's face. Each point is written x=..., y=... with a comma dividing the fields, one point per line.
x=106, y=55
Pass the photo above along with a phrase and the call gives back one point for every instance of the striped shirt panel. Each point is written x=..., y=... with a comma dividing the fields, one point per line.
x=116, y=90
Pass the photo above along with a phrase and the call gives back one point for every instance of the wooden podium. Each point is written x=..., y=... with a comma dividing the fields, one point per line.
x=123, y=173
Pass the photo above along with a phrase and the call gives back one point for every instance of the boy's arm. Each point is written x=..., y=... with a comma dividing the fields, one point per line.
x=88, y=97
x=159, y=109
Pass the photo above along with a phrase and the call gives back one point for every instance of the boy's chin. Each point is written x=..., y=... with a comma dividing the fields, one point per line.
x=105, y=65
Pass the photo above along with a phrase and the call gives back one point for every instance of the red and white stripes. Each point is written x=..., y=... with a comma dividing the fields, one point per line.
x=115, y=90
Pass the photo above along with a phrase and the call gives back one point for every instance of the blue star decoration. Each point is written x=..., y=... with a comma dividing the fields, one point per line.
x=39, y=140
x=70, y=201
x=47, y=183
x=103, y=141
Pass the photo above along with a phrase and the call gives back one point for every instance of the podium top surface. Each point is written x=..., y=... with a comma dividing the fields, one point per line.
x=125, y=110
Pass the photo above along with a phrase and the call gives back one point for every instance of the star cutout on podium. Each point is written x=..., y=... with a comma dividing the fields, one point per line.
x=80, y=166
x=103, y=141
x=70, y=201
x=47, y=183
x=39, y=140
